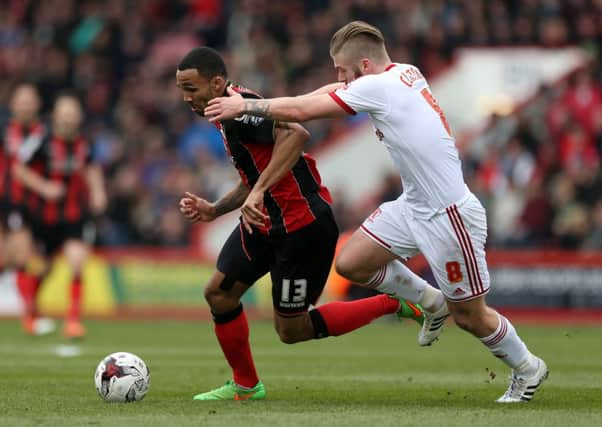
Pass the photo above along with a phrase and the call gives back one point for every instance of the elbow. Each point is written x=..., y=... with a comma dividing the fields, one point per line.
x=301, y=116
x=297, y=111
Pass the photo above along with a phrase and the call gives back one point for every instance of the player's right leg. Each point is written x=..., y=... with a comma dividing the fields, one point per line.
x=243, y=259
x=223, y=295
x=371, y=257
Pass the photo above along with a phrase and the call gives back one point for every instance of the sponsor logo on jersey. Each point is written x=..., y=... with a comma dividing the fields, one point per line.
x=247, y=119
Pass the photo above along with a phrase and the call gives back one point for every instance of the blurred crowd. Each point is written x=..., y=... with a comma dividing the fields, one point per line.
x=120, y=57
x=538, y=170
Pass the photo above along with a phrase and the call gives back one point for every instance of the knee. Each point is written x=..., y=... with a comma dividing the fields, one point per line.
x=345, y=268
x=288, y=336
x=76, y=257
x=215, y=297
x=295, y=330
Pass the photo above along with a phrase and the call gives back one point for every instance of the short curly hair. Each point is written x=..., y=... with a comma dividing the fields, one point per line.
x=208, y=62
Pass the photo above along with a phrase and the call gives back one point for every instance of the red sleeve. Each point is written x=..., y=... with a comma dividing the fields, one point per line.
x=342, y=103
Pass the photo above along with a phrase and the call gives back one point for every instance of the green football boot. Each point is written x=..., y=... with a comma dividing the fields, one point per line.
x=409, y=310
x=232, y=391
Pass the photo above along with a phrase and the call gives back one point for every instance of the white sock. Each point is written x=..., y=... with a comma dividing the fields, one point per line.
x=398, y=280
x=505, y=344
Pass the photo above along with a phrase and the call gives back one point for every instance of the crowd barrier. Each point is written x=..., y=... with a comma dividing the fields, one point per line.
x=147, y=282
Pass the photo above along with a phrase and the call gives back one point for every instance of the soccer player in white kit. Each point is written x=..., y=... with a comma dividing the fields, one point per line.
x=436, y=215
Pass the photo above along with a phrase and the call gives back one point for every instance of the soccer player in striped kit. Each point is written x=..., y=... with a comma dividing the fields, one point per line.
x=68, y=188
x=295, y=244
x=23, y=127
x=437, y=215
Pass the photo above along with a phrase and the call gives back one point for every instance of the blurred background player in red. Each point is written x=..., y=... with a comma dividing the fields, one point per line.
x=24, y=127
x=68, y=189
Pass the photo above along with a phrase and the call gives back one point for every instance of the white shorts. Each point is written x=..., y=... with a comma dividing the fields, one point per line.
x=452, y=242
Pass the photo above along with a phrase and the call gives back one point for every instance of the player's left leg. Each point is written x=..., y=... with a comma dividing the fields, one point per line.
x=303, y=261
x=341, y=317
x=454, y=245
x=78, y=238
x=500, y=337
x=76, y=253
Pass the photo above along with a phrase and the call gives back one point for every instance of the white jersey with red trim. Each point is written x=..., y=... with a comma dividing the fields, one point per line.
x=413, y=127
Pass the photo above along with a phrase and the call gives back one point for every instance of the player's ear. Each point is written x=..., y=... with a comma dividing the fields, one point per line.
x=217, y=82
x=365, y=65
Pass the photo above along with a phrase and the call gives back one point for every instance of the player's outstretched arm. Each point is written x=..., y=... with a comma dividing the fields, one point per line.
x=287, y=109
x=289, y=141
x=196, y=208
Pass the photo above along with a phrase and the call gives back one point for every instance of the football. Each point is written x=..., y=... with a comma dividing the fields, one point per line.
x=122, y=377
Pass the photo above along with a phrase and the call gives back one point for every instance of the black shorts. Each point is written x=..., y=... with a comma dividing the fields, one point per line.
x=298, y=262
x=52, y=237
x=13, y=217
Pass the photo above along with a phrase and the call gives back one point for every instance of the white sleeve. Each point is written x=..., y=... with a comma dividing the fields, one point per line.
x=368, y=93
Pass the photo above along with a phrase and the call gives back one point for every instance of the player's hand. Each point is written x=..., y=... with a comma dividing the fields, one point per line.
x=53, y=191
x=252, y=211
x=196, y=208
x=225, y=107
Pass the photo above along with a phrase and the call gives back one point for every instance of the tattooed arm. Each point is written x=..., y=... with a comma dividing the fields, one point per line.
x=288, y=109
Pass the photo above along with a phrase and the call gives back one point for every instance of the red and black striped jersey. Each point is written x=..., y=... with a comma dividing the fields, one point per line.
x=14, y=135
x=62, y=161
x=299, y=197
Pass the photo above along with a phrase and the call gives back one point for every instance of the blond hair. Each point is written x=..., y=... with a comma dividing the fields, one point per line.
x=359, y=39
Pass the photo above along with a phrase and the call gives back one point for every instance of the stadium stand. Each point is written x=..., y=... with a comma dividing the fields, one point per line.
x=120, y=57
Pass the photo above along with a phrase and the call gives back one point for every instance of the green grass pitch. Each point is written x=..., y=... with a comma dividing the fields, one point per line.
x=377, y=376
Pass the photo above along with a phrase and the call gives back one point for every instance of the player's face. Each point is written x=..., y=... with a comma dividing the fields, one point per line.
x=25, y=104
x=347, y=70
x=197, y=90
x=66, y=117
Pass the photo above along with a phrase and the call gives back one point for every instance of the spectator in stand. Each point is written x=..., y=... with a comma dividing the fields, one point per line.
x=577, y=150
x=594, y=241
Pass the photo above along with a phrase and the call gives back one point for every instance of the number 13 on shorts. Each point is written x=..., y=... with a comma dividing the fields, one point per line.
x=299, y=290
